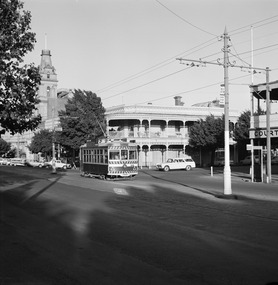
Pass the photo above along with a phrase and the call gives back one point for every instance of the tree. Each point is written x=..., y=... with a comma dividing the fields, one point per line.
x=42, y=142
x=4, y=147
x=82, y=119
x=207, y=135
x=241, y=131
x=19, y=83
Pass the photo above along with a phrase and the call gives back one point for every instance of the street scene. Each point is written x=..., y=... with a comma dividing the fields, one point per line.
x=158, y=228
x=138, y=142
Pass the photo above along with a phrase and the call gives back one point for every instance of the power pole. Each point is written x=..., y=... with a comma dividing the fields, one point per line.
x=227, y=167
x=226, y=64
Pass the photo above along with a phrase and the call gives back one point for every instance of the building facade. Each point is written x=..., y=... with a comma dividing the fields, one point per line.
x=160, y=132
x=51, y=101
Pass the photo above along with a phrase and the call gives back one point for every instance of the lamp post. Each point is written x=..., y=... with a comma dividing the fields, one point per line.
x=53, y=145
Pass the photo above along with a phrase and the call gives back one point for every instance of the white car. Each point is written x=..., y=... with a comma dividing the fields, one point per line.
x=177, y=163
x=58, y=164
x=31, y=163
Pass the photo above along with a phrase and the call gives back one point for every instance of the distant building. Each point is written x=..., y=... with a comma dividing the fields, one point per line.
x=52, y=100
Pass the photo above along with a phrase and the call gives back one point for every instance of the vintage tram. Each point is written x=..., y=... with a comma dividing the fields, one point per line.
x=109, y=159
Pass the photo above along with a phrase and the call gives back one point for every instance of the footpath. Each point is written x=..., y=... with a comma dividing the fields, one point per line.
x=241, y=186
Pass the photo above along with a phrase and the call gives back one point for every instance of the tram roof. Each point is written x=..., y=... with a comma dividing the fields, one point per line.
x=108, y=143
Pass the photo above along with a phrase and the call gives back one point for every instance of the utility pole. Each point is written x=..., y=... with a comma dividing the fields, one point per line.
x=227, y=167
x=226, y=64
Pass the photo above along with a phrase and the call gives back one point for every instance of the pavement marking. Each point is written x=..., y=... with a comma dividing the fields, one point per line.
x=120, y=191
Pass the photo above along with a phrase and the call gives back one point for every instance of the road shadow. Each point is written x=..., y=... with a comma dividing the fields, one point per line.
x=137, y=237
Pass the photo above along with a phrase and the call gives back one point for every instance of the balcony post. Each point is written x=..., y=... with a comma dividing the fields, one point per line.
x=268, y=138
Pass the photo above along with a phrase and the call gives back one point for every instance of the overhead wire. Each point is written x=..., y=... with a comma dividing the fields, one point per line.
x=181, y=18
x=142, y=85
x=191, y=90
x=156, y=66
x=247, y=27
x=166, y=62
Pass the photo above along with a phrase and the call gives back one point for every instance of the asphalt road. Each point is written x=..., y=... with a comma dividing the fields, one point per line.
x=160, y=228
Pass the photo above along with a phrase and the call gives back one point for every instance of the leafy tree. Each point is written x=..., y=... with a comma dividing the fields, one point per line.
x=4, y=147
x=82, y=119
x=241, y=131
x=19, y=83
x=42, y=142
x=207, y=135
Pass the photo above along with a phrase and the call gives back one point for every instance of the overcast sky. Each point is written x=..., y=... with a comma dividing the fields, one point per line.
x=125, y=50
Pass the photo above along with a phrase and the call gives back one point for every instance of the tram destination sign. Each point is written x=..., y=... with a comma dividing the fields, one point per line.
x=261, y=133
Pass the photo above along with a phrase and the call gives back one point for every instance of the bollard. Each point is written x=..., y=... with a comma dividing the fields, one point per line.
x=211, y=171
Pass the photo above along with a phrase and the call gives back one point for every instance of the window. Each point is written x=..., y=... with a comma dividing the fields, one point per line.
x=132, y=154
x=100, y=157
x=124, y=154
x=114, y=154
x=105, y=156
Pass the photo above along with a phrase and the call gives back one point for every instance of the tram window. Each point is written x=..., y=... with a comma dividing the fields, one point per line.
x=89, y=155
x=132, y=154
x=114, y=154
x=100, y=157
x=105, y=156
x=124, y=154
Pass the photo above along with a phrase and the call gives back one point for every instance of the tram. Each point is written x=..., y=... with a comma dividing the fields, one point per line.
x=109, y=159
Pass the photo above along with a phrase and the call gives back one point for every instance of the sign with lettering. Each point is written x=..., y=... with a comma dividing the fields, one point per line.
x=261, y=133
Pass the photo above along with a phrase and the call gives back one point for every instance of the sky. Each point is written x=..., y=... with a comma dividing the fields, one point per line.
x=126, y=51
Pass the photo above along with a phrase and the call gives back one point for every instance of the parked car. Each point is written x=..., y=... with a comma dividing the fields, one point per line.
x=58, y=164
x=248, y=160
x=6, y=161
x=176, y=163
x=35, y=163
x=17, y=161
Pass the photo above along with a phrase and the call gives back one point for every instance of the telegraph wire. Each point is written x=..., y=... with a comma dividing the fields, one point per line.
x=156, y=66
x=181, y=18
x=247, y=27
x=168, y=75
x=135, y=76
x=192, y=90
x=142, y=85
x=165, y=62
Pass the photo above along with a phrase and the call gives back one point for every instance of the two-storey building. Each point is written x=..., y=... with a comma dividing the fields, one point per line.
x=161, y=132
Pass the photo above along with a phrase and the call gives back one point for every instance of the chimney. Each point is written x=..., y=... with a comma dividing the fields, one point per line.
x=178, y=101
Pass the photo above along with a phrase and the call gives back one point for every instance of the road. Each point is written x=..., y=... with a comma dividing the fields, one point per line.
x=160, y=228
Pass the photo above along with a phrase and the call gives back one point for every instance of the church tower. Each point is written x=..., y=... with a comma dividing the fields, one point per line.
x=48, y=88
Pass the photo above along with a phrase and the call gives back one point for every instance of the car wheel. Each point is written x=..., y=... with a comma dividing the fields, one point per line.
x=166, y=168
x=188, y=167
x=64, y=167
x=40, y=165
